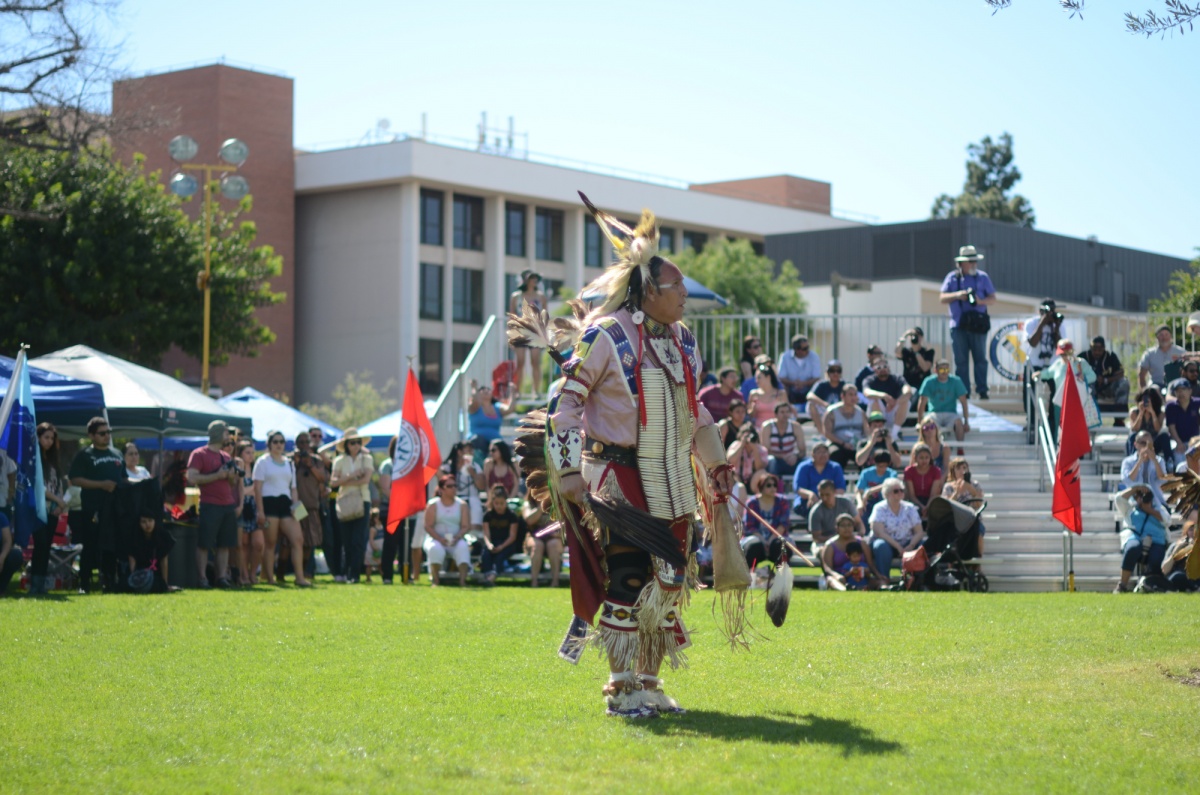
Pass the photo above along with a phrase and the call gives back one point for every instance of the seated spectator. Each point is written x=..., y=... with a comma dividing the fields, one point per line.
x=887, y=394
x=1174, y=565
x=747, y=457
x=1148, y=415
x=922, y=480
x=895, y=527
x=500, y=534
x=916, y=359
x=1190, y=371
x=1153, y=365
x=499, y=469
x=730, y=426
x=931, y=435
x=751, y=347
x=1144, y=467
x=1112, y=387
x=785, y=442
x=446, y=523
x=1191, y=458
x=825, y=393
x=1144, y=520
x=938, y=394
x=845, y=425
x=816, y=468
x=749, y=385
x=879, y=438
x=759, y=543
x=706, y=378
x=799, y=369
x=874, y=353
x=544, y=546
x=717, y=398
x=847, y=559
x=822, y=517
x=869, y=489
x=485, y=414
x=12, y=559
x=1182, y=414
x=766, y=395
x=958, y=487
x=1056, y=373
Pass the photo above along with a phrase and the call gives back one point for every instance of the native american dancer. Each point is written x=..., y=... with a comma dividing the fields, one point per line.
x=629, y=458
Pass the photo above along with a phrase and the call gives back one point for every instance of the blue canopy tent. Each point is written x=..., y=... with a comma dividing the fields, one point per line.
x=700, y=298
x=67, y=402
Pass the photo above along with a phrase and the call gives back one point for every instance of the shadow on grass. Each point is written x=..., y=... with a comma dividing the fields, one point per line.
x=781, y=727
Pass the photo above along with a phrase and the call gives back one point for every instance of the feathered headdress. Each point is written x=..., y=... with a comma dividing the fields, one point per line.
x=635, y=248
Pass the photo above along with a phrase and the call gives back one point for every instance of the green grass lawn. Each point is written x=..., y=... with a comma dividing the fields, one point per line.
x=350, y=688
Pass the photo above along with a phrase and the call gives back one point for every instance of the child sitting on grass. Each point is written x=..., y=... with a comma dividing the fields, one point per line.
x=499, y=533
x=855, y=568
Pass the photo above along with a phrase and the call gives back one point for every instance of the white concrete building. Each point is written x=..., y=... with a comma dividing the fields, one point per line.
x=417, y=244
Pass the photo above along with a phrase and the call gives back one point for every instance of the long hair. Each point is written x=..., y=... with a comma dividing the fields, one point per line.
x=504, y=450
x=450, y=463
x=49, y=457
x=770, y=371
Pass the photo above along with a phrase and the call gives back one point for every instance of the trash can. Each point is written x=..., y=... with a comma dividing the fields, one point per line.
x=181, y=566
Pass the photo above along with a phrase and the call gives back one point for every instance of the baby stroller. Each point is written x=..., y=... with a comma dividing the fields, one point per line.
x=953, y=537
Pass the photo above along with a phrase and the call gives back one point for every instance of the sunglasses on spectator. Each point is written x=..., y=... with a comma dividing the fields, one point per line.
x=102, y=432
x=276, y=441
x=896, y=491
x=834, y=370
x=754, y=345
x=801, y=347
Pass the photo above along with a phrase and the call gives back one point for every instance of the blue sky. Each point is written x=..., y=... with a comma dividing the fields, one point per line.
x=879, y=98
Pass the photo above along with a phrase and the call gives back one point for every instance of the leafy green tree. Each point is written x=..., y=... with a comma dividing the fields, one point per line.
x=991, y=176
x=356, y=401
x=1183, y=292
x=1176, y=15
x=99, y=253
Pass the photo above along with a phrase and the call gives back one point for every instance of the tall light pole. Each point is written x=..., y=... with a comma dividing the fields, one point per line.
x=836, y=282
x=233, y=186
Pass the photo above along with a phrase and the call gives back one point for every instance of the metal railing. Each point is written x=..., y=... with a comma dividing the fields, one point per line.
x=847, y=337
x=449, y=416
x=1048, y=452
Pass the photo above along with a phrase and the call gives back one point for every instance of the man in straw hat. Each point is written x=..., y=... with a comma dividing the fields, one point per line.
x=969, y=292
x=618, y=467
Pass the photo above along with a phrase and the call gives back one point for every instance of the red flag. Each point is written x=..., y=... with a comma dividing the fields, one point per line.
x=1074, y=442
x=416, y=460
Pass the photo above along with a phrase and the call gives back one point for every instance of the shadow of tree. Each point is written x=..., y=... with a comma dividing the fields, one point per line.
x=778, y=727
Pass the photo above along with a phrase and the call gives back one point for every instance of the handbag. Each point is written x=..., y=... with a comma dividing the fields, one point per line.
x=971, y=321
x=914, y=561
x=350, y=504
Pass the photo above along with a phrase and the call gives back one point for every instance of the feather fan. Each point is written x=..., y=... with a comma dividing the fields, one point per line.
x=639, y=528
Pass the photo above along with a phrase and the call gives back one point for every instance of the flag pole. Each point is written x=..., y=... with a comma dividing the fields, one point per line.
x=407, y=552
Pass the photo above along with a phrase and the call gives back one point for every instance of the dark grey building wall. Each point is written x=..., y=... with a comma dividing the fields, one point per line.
x=1022, y=261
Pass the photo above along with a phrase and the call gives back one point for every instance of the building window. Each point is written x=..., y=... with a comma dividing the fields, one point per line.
x=593, y=244
x=514, y=229
x=431, y=291
x=430, y=376
x=468, y=222
x=666, y=239
x=431, y=217
x=549, y=235
x=468, y=295
x=459, y=351
x=694, y=240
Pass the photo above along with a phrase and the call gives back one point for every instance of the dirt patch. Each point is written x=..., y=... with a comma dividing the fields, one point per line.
x=1192, y=679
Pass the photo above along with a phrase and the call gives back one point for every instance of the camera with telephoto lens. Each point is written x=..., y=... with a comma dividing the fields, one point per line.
x=1058, y=316
x=1145, y=496
x=971, y=296
x=914, y=339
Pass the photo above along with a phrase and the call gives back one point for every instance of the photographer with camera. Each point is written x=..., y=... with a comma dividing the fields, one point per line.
x=1143, y=532
x=214, y=471
x=878, y=438
x=917, y=359
x=1042, y=334
x=969, y=292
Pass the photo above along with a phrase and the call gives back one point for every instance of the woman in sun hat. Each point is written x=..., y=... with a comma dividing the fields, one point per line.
x=527, y=294
x=351, y=476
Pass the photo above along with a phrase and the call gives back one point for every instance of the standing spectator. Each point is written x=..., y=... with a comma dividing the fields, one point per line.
x=751, y=348
x=500, y=534
x=845, y=425
x=529, y=293
x=1182, y=414
x=815, y=469
x=351, y=476
x=545, y=546
x=8, y=480
x=311, y=477
x=11, y=558
x=869, y=488
x=785, y=441
x=799, y=369
x=766, y=395
x=895, y=527
x=887, y=394
x=275, y=497
x=822, y=517
x=732, y=425
x=252, y=543
x=1152, y=368
x=389, y=542
x=717, y=398
x=825, y=393
x=758, y=542
x=939, y=394
x=331, y=528
x=1145, y=535
x=445, y=525
x=879, y=439
x=874, y=354
x=56, y=506
x=1042, y=334
x=916, y=358
x=97, y=470
x=922, y=480
x=134, y=471
x=485, y=414
x=211, y=468
x=1112, y=387
x=1144, y=467
x=969, y=292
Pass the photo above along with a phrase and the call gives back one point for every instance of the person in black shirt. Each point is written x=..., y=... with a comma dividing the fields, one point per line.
x=1111, y=387
x=500, y=533
x=887, y=394
x=917, y=357
x=874, y=353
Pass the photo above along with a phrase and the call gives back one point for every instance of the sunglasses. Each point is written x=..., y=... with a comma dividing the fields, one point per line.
x=896, y=491
x=834, y=370
x=802, y=348
x=276, y=441
x=105, y=432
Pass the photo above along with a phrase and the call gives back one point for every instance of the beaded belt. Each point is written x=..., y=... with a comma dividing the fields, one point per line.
x=625, y=456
